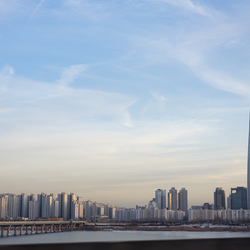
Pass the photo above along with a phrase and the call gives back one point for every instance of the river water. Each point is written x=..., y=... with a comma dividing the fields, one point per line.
x=101, y=236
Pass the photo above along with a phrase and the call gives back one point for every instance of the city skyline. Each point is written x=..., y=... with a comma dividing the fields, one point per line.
x=173, y=200
x=113, y=100
x=71, y=206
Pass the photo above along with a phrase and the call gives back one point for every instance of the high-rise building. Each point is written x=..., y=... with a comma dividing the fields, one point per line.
x=160, y=198
x=24, y=205
x=229, y=202
x=71, y=204
x=56, y=208
x=219, y=199
x=248, y=168
x=183, y=200
x=172, y=199
x=152, y=204
x=239, y=198
x=44, y=206
x=87, y=209
x=3, y=206
x=13, y=206
x=50, y=203
x=64, y=205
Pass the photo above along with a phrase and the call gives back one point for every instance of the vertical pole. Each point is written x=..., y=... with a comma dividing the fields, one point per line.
x=42, y=229
x=2, y=231
x=15, y=231
x=27, y=229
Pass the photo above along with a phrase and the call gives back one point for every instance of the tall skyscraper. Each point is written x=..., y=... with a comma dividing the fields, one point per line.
x=219, y=199
x=248, y=168
x=172, y=199
x=64, y=205
x=183, y=200
x=239, y=198
x=24, y=205
x=160, y=198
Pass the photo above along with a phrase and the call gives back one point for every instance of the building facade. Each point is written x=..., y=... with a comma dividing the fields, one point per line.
x=219, y=199
x=183, y=200
x=172, y=199
x=160, y=198
x=238, y=198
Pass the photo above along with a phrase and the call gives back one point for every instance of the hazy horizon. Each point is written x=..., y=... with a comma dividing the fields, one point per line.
x=113, y=100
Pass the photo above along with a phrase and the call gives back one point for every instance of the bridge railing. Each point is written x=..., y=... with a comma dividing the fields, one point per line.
x=194, y=244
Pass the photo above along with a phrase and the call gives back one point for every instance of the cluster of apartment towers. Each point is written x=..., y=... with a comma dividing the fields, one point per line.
x=71, y=206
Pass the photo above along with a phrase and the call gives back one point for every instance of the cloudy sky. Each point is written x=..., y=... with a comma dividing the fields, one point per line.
x=114, y=99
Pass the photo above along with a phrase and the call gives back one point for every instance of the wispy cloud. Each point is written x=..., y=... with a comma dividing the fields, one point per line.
x=90, y=10
x=187, y=5
x=49, y=102
x=37, y=7
x=7, y=70
x=194, y=47
x=71, y=73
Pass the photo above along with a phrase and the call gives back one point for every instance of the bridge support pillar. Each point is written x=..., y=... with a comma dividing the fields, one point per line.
x=27, y=229
x=42, y=229
x=32, y=229
x=8, y=231
x=59, y=228
x=21, y=230
x=2, y=231
x=37, y=229
x=46, y=229
x=52, y=228
x=15, y=231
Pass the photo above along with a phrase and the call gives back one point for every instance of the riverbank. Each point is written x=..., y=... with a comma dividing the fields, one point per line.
x=189, y=228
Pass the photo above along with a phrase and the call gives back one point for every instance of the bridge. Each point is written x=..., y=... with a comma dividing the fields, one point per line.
x=32, y=227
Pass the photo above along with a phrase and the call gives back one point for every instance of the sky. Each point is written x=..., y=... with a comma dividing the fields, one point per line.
x=112, y=100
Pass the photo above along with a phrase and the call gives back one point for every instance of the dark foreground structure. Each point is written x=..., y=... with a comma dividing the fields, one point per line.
x=194, y=244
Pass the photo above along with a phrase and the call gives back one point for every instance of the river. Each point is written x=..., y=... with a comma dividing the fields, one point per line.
x=101, y=236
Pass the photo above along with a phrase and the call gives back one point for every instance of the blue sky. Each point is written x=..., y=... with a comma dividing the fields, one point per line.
x=115, y=99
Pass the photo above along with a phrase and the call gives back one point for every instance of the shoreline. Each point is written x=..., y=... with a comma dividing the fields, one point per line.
x=171, y=228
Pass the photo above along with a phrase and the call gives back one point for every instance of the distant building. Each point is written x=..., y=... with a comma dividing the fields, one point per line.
x=24, y=205
x=160, y=198
x=229, y=202
x=208, y=206
x=3, y=206
x=183, y=200
x=219, y=199
x=196, y=207
x=172, y=199
x=238, y=198
x=152, y=204
x=63, y=205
